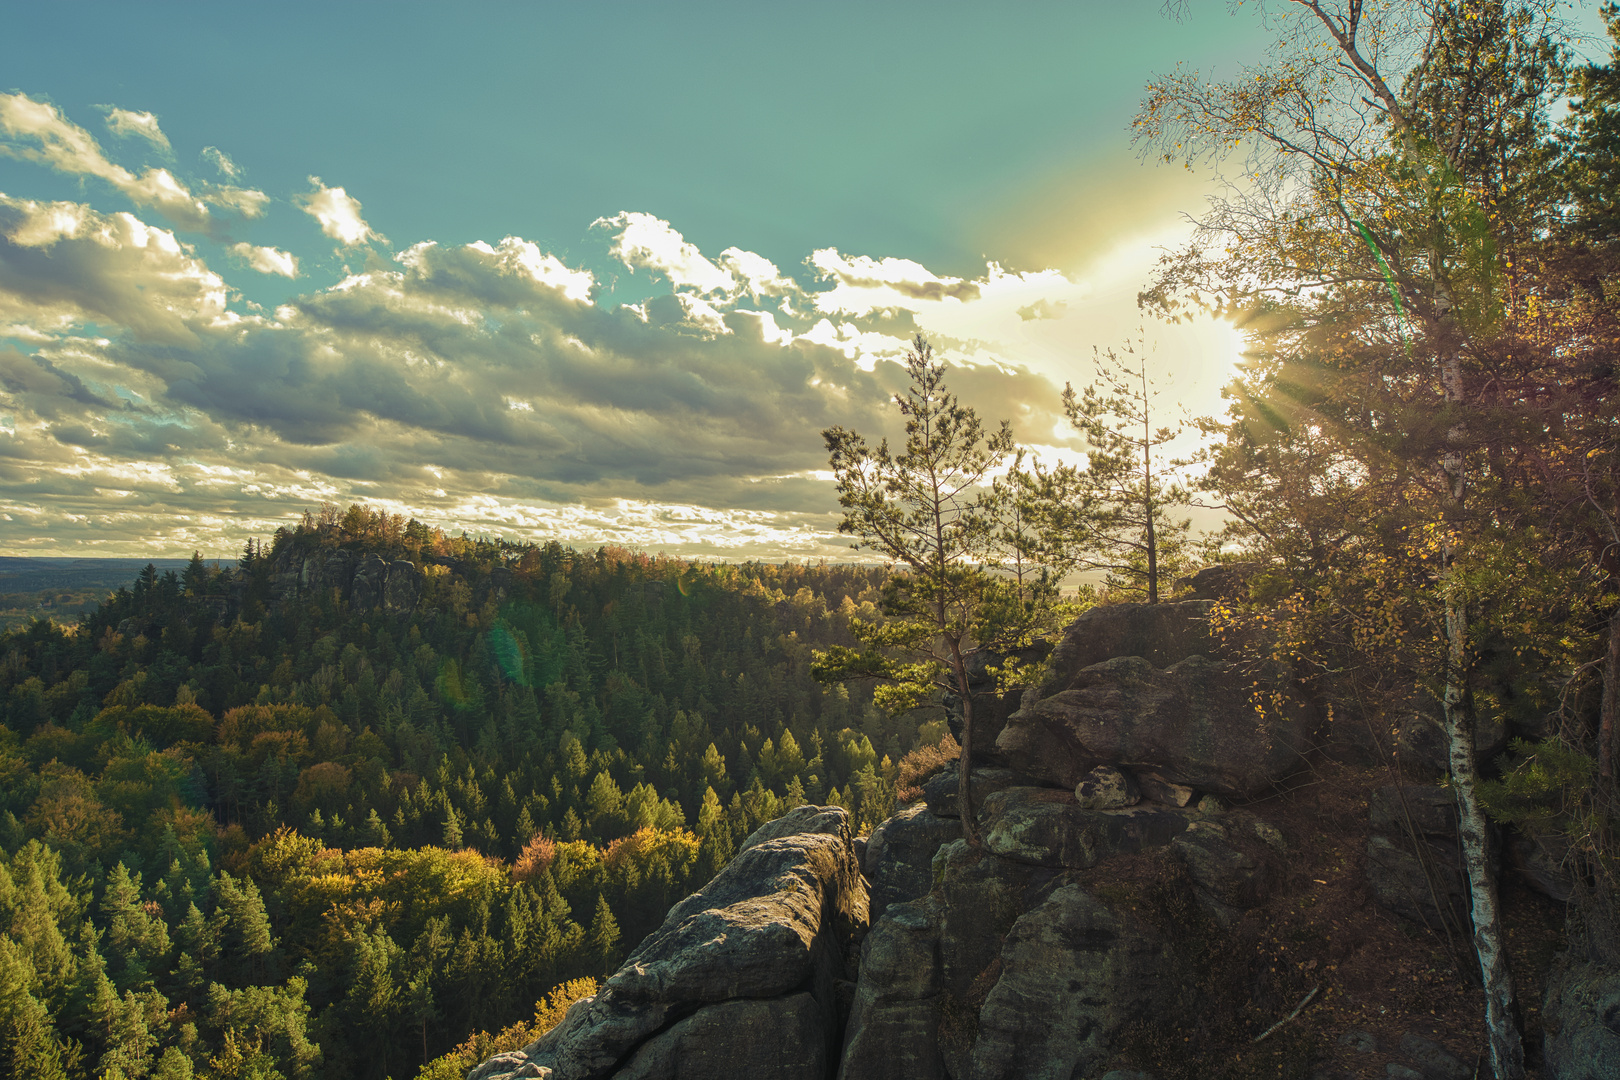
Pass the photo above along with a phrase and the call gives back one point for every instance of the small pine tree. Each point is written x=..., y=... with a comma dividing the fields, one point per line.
x=603, y=938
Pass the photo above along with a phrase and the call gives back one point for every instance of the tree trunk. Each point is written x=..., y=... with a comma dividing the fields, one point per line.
x=1473, y=832
x=964, y=764
x=1473, y=836
x=1611, y=703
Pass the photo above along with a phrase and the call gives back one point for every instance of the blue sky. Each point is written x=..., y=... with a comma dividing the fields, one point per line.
x=598, y=272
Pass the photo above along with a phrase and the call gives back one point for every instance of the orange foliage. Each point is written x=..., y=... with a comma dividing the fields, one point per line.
x=534, y=859
x=922, y=763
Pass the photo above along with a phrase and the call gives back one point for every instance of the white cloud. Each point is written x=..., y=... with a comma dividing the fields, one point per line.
x=35, y=131
x=124, y=123
x=760, y=276
x=863, y=284
x=221, y=161
x=63, y=264
x=267, y=260
x=248, y=202
x=649, y=242
x=338, y=214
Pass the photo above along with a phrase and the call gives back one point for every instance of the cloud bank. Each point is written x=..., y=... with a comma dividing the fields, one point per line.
x=148, y=406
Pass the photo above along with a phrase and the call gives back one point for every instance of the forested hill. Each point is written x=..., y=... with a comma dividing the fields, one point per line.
x=375, y=789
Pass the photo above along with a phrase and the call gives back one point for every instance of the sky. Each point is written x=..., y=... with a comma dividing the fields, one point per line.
x=598, y=273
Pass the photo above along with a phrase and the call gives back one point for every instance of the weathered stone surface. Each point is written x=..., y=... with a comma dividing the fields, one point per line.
x=1161, y=634
x=802, y=820
x=940, y=790
x=774, y=922
x=1541, y=860
x=1045, y=827
x=1430, y=892
x=1427, y=809
x=1156, y=788
x=770, y=1039
x=1107, y=788
x=1073, y=974
x=1582, y=1019
x=900, y=855
x=1434, y=1061
x=369, y=580
x=1223, y=581
x=1193, y=723
x=329, y=568
x=402, y=588
x=1232, y=862
x=894, y=1021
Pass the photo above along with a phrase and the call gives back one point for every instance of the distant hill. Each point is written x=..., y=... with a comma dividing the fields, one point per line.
x=63, y=589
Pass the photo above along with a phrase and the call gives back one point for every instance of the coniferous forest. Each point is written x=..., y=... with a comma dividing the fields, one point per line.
x=250, y=834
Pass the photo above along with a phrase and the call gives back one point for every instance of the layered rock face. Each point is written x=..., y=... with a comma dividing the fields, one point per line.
x=368, y=582
x=1132, y=686
x=741, y=979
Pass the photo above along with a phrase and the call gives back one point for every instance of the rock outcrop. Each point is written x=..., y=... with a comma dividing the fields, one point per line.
x=1582, y=1017
x=1414, y=866
x=739, y=981
x=1193, y=723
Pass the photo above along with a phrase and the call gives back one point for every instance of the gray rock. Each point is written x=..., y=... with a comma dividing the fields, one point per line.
x=894, y=1021
x=1396, y=1071
x=802, y=820
x=402, y=588
x=1073, y=974
x=771, y=1039
x=1432, y=891
x=1156, y=788
x=1230, y=864
x=1431, y=810
x=1223, y=581
x=1581, y=1015
x=1359, y=1041
x=1434, y=1060
x=1542, y=860
x=1044, y=827
x=1161, y=634
x=1193, y=723
x=773, y=922
x=940, y=791
x=1107, y=788
x=369, y=580
x=900, y=855
x=1127, y=1074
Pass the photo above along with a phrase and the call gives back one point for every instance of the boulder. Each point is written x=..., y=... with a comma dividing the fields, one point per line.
x=1581, y=1015
x=1044, y=827
x=1234, y=863
x=1193, y=723
x=1073, y=975
x=900, y=855
x=771, y=1039
x=1223, y=581
x=402, y=588
x=894, y=1021
x=1107, y=788
x=1542, y=860
x=1397, y=809
x=1431, y=890
x=369, y=580
x=1161, y=634
x=940, y=790
x=1156, y=788
x=773, y=924
x=801, y=820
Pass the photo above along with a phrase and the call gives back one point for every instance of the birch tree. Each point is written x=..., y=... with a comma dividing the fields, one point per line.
x=1391, y=150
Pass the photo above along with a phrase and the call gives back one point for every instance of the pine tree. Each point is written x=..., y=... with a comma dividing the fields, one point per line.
x=603, y=938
